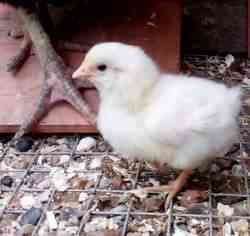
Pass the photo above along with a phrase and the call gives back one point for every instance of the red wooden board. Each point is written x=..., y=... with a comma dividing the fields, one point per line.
x=154, y=25
x=248, y=28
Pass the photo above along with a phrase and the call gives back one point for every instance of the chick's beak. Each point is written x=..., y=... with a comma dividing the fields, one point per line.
x=82, y=73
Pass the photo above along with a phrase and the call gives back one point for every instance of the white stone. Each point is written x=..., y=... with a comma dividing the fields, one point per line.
x=44, y=184
x=246, y=81
x=61, y=141
x=83, y=197
x=95, y=163
x=114, y=158
x=227, y=229
x=4, y=167
x=154, y=182
x=59, y=179
x=100, y=223
x=76, y=166
x=120, y=170
x=145, y=227
x=62, y=225
x=240, y=226
x=48, y=149
x=44, y=229
x=71, y=175
x=86, y=144
x=89, y=176
x=229, y=59
x=180, y=232
x=51, y=220
x=64, y=159
x=237, y=170
x=3, y=202
x=140, y=193
x=44, y=196
x=28, y=201
x=72, y=230
x=225, y=210
x=195, y=222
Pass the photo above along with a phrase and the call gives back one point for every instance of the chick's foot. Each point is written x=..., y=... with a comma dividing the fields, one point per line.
x=171, y=190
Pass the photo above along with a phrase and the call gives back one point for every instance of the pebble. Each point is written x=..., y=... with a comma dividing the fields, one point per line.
x=3, y=202
x=72, y=230
x=76, y=166
x=51, y=220
x=26, y=230
x=48, y=149
x=43, y=185
x=237, y=170
x=64, y=159
x=83, y=197
x=24, y=144
x=31, y=216
x=44, y=229
x=44, y=196
x=227, y=229
x=240, y=208
x=224, y=210
x=67, y=212
x=100, y=223
x=62, y=141
x=59, y=179
x=28, y=201
x=240, y=226
x=73, y=220
x=95, y=163
x=86, y=144
x=7, y=181
x=229, y=60
x=105, y=182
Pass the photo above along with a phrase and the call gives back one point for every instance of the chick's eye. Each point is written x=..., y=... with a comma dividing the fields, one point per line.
x=102, y=67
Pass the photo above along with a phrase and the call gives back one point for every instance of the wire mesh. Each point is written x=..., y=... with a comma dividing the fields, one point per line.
x=209, y=216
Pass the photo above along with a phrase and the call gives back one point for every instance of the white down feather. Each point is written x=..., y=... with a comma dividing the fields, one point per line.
x=170, y=118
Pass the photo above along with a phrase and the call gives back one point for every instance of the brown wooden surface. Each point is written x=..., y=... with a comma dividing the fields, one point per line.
x=248, y=28
x=154, y=25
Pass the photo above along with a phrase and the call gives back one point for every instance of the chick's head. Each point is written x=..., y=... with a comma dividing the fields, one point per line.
x=115, y=67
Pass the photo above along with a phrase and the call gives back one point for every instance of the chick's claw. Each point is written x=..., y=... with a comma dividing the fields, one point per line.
x=171, y=190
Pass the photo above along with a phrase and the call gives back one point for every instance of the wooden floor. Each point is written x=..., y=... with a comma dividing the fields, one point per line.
x=154, y=25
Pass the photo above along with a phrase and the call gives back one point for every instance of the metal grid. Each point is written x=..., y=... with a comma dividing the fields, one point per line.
x=210, y=216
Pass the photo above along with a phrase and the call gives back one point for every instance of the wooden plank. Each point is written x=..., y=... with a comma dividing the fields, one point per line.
x=154, y=25
x=248, y=28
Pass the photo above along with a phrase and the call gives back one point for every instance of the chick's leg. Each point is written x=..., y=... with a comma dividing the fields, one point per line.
x=171, y=189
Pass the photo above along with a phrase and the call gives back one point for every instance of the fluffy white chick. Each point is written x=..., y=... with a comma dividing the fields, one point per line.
x=143, y=113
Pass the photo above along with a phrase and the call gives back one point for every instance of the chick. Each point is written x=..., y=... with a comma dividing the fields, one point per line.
x=183, y=121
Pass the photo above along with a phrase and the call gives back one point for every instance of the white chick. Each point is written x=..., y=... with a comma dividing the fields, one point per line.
x=181, y=120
